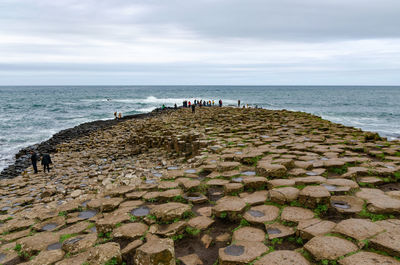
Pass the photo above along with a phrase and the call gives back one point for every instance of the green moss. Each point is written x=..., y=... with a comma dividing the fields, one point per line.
x=65, y=237
x=192, y=231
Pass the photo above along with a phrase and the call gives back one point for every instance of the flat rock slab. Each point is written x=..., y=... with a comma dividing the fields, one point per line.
x=130, y=231
x=191, y=259
x=79, y=243
x=296, y=214
x=346, y=204
x=37, y=242
x=248, y=234
x=261, y=214
x=329, y=247
x=388, y=242
x=200, y=222
x=278, y=230
x=267, y=169
x=314, y=227
x=309, y=180
x=383, y=204
x=242, y=252
x=105, y=204
x=284, y=194
x=358, y=229
x=282, y=257
x=368, y=258
x=169, y=211
x=232, y=206
x=156, y=251
x=312, y=195
x=255, y=198
x=47, y=257
x=280, y=182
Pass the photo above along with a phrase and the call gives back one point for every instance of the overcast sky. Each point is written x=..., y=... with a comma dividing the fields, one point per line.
x=233, y=42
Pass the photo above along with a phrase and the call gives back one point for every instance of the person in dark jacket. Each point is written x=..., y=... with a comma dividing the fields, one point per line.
x=34, y=159
x=46, y=161
x=193, y=108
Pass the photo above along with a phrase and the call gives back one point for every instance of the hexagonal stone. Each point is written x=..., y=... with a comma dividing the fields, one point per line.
x=9, y=257
x=388, y=242
x=170, y=194
x=195, y=197
x=283, y=195
x=367, y=193
x=240, y=253
x=188, y=184
x=390, y=225
x=280, y=182
x=342, y=182
x=225, y=166
x=255, y=198
x=277, y=230
x=191, y=259
x=346, y=204
x=217, y=182
x=232, y=187
x=309, y=180
x=282, y=257
x=37, y=242
x=296, y=214
x=51, y=224
x=168, y=230
x=310, y=228
x=169, y=211
x=329, y=247
x=79, y=243
x=200, y=222
x=105, y=204
x=130, y=231
x=383, y=204
x=104, y=253
x=47, y=257
x=248, y=233
x=261, y=214
x=232, y=206
x=370, y=180
x=266, y=169
x=368, y=258
x=254, y=182
x=330, y=163
x=156, y=251
x=359, y=229
x=109, y=222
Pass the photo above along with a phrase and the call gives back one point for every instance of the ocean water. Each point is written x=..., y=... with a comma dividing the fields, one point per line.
x=29, y=115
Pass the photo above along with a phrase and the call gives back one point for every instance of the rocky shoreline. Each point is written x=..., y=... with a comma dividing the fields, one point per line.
x=220, y=186
x=22, y=158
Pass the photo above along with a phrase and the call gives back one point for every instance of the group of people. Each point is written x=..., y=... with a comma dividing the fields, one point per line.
x=201, y=103
x=117, y=115
x=46, y=161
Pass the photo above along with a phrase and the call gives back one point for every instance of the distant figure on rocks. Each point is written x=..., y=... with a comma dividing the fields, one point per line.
x=190, y=104
x=120, y=115
x=46, y=161
x=213, y=102
x=193, y=108
x=34, y=159
x=115, y=115
x=239, y=103
x=175, y=106
x=220, y=102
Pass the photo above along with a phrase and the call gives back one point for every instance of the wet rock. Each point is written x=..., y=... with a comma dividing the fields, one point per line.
x=154, y=252
x=277, y=230
x=255, y=182
x=242, y=252
x=128, y=252
x=105, y=204
x=38, y=242
x=108, y=223
x=347, y=204
x=51, y=224
x=169, y=230
x=261, y=214
x=79, y=243
x=329, y=247
x=281, y=257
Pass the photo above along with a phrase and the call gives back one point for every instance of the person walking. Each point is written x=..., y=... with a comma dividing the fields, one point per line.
x=34, y=159
x=220, y=102
x=239, y=103
x=193, y=108
x=46, y=161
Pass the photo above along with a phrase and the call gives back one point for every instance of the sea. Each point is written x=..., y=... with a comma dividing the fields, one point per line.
x=32, y=114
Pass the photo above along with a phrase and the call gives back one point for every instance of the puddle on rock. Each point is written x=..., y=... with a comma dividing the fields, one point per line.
x=49, y=227
x=87, y=214
x=172, y=168
x=190, y=171
x=150, y=181
x=329, y=187
x=73, y=240
x=273, y=231
x=248, y=173
x=311, y=173
x=157, y=175
x=93, y=229
x=85, y=203
x=54, y=246
x=341, y=205
x=141, y=211
x=234, y=250
x=238, y=179
x=255, y=213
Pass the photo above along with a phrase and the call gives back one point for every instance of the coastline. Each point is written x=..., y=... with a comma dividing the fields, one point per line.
x=22, y=158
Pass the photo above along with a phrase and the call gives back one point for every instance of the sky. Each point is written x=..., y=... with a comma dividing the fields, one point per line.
x=199, y=42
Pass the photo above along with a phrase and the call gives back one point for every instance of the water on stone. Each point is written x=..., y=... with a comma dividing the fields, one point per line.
x=157, y=175
x=248, y=173
x=85, y=203
x=255, y=213
x=273, y=231
x=238, y=153
x=342, y=205
x=190, y=171
x=73, y=240
x=49, y=227
x=234, y=250
x=87, y=214
x=172, y=167
x=311, y=173
x=329, y=187
x=54, y=246
x=150, y=181
x=93, y=229
x=2, y=256
x=238, y=179
x=141, y=211
x=192, y=197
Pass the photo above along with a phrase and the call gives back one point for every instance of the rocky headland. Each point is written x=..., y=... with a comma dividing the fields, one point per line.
x=220, y=186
